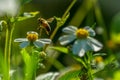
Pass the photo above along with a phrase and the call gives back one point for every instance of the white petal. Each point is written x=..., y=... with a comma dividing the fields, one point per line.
x=77, y=47
x=81, y=46
x=90, y=30
x=47, y=76
x=70, y=29
x=81, y=53
x=38, y=44
x=20, y=39
x=44, y=41
x=66, y=39
x=24, y=44
x=96, y=44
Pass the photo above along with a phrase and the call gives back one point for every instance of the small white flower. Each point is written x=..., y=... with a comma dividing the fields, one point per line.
x=9, y=7
x=82, y=38
x=32, y=38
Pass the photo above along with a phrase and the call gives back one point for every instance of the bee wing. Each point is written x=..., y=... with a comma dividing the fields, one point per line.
x=50, y=20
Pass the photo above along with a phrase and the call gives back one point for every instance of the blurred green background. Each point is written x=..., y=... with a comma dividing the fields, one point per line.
x=105, y=13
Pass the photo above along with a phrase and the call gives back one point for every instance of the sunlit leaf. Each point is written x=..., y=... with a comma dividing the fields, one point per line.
x=26, y=15
x=25, y=55
x=115, y=37
x=117, y=75
x=30, y=64
x=61, y=49
x=115, y=29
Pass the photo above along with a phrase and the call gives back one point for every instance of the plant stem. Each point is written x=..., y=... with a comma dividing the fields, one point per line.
x=56, y=29
x=7, y=50
x=64, y=15
x=68, y=9
x=90, y=76
x=5, y=69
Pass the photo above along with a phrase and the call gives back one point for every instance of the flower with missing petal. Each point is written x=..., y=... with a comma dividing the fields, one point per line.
x=32, y=39
x=82, y=38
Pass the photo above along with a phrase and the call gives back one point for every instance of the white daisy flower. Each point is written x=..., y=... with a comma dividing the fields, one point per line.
x=32, y=39
x=82, y=38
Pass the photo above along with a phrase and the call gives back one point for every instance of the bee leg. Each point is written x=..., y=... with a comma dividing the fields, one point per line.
x=46, y=31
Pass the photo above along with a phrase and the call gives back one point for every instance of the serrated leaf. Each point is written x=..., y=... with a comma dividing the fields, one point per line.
x=27, y=15
x=25, y=1
x=71, y=73
x=61, y=49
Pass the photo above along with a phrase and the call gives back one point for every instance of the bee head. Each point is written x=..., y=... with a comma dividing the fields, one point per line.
x=41, y=19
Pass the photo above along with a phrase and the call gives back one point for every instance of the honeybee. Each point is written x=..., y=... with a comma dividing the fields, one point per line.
x=43, y=23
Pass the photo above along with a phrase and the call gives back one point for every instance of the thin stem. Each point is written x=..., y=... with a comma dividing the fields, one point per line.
x=64, y=15
x=68, y=9
x=89, y=55
x=10, y=43
x=6, y=45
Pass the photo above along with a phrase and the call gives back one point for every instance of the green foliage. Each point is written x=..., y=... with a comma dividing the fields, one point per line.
x=31, y=62
x=117, y=75
x=61, y=21
x=3, y=67
x=115, y=29
x=115, y=25
x=70, y=75
x=26, y=15
x=61, y=49
x=99, y=54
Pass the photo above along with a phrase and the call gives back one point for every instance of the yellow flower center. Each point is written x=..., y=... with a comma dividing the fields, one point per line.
x=32, y=36
x=82, y=33
x=98, y=59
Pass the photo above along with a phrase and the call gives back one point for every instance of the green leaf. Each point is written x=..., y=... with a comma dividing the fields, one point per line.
x=115, y=24
x=99, y=54
x=115, y=29
x=115, y=37
x=25, y=15
x=117, y=75
x=26, y=56
x=71, y=73
x=61, y=21
x=30, y=64
x=61, y=49
x=25, y=1
x=3, y=67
